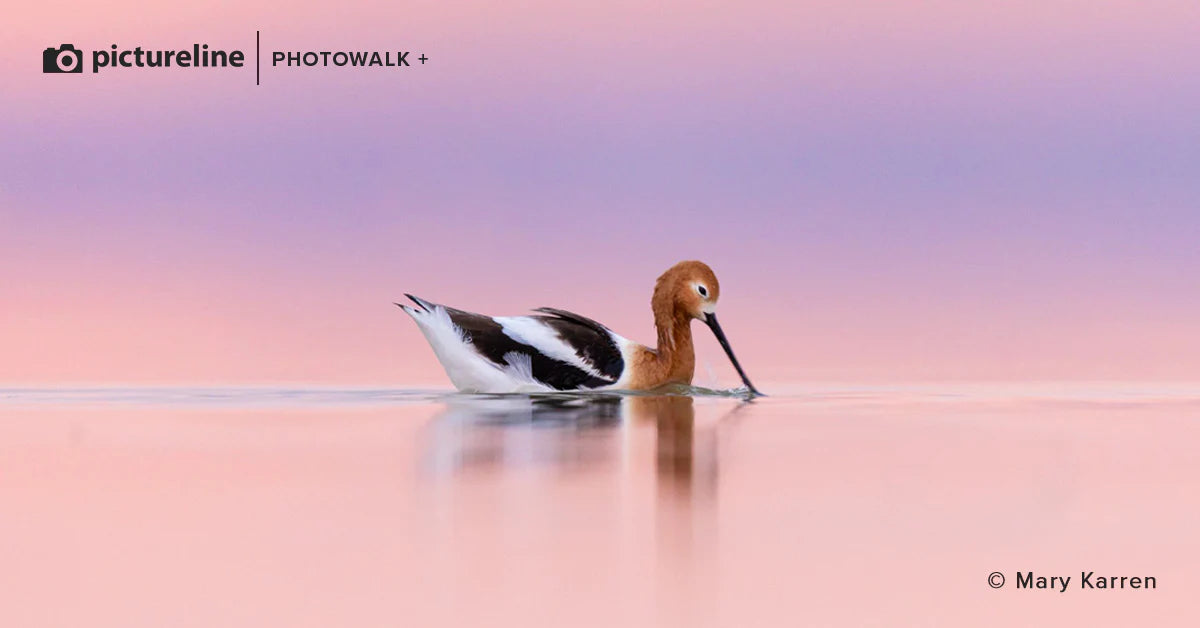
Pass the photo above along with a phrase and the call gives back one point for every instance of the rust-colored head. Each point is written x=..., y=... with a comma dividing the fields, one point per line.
x=690, y=290
x=687, y=290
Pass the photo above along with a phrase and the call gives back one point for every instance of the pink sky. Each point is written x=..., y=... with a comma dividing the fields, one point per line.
x=887, y=192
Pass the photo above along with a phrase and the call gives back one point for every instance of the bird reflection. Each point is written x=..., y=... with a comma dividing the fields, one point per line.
x=476, y=433
x=686, y=490
x=491, y=433
x=642, y=449
x=683, y=458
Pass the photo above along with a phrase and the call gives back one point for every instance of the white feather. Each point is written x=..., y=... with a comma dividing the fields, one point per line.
x=540, y=336
x=520, y=367
x=467, y=369
x=628, y=349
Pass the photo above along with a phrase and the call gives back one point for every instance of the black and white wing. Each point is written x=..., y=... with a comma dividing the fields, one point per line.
x=556, y=349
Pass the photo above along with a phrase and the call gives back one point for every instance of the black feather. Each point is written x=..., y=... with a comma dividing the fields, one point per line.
x=590, y=339
x=419, y=301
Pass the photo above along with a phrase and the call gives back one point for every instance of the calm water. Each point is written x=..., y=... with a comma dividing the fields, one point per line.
x=818, y=506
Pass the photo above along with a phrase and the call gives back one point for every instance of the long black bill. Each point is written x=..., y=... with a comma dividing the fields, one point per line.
x=710, y=319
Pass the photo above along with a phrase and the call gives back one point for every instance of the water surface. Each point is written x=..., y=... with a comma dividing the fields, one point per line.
x=835, y=505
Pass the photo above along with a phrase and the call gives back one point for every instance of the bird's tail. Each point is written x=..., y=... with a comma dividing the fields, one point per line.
x=425, y=306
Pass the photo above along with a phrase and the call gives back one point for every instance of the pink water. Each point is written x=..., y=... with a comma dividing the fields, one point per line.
x=829, y=506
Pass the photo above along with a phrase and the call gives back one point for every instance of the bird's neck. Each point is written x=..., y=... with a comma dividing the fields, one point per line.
x=674, y=360
x=676, y=356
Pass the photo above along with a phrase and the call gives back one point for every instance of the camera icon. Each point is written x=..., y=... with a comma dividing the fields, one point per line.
x=66, y=59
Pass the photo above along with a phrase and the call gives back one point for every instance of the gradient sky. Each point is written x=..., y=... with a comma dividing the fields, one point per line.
x=888, y=191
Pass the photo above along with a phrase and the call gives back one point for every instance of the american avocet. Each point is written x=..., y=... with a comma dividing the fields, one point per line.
x=558, y=350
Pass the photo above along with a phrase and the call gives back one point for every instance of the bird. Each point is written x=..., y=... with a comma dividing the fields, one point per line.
x=556, y=350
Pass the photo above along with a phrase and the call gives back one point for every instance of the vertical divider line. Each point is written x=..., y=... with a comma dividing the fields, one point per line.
x=257, y=62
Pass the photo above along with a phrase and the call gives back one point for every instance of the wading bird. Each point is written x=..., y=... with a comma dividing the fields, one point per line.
x=557, y=350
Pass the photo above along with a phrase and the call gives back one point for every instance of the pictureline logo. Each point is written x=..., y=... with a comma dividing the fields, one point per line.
x=68, y=59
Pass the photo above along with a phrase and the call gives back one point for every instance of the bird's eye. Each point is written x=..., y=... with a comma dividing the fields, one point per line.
x=703, y=291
